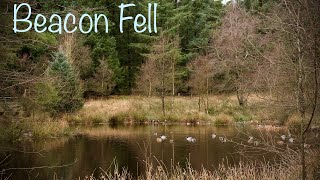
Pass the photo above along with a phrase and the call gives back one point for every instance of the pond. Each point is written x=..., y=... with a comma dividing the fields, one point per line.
x=96, y=148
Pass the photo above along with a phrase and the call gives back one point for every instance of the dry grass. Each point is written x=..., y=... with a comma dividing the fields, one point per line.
x=33, y=130
x=132, y=109
x=287, y=169
x=139, y=109
x=223, y=119
x=50, y=129
x=293, y=123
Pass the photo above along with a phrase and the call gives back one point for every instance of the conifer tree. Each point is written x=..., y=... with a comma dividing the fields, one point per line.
x=65, y=85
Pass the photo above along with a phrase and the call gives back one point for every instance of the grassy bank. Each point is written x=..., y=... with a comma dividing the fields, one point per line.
x=223, y=110
x=135, y=109
x=33, y=130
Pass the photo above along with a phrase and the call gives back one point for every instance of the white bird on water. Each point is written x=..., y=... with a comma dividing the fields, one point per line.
x=291, y=140
x=213, y=136
x=191, y=139
x=163, y=137
x=223, y=139
x=159, y=140
x=250, y=140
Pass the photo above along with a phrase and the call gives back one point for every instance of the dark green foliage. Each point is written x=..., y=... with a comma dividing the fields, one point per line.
x=63, y=92
x=258, y=5
x=103, y=52
x=119, y=54
x=194, y=22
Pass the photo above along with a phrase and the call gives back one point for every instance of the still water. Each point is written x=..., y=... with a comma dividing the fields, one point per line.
x=96, y=148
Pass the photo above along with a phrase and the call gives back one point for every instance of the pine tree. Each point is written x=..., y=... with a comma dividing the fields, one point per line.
x=193, y=22
x=65, y=85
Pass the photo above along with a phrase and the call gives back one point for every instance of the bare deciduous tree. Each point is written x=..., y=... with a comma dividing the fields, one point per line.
x=233, y=44
x=202, y=70
x=291, y=69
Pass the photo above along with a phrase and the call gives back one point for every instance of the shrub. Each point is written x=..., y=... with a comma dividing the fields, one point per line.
x=293, y=123
x=119, y=118
x=33, y=130
x=9, y=132
x=223, y=119
x=44, y=130
x=128, y=117
x=239, y=117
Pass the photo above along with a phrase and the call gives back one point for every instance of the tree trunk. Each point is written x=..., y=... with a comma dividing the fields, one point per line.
x=173, y=78
x=301, y=102
x=207, y=97
x=162, y=89
x=241, y=98
x=173, y=84
x=199, y=103
x=102, y=82
x=150, y=88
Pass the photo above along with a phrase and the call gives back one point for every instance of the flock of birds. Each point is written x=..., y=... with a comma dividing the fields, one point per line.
x=284, y=138
x=222, y=139
x=189, y=139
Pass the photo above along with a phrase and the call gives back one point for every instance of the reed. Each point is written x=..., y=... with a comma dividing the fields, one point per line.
x=287, y=169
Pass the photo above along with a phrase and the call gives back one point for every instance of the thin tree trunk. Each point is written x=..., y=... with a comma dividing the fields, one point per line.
x=301, y=103
x=150, y=88
x=199, y=103
x=102, y=81
x=173, y=78
x=207, y=97
x=162, y=89
x=316, y=89
x=240, y=97
x=173, y=84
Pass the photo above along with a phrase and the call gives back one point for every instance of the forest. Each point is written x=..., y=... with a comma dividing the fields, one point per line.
x=170, y=63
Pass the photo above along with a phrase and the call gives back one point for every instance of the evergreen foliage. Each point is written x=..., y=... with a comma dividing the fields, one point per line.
x=63, y=92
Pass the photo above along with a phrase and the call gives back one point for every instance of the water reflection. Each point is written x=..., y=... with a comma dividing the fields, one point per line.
x=97, y=147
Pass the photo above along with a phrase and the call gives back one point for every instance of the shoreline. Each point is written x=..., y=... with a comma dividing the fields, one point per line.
x=138, y=110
